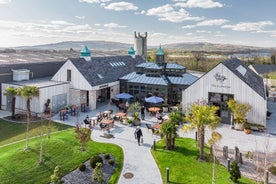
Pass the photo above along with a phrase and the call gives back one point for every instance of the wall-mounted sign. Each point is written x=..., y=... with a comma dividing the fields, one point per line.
x=103, y=86
x=219, y=77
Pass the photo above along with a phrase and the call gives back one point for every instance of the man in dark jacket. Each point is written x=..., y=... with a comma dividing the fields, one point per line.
x=138, y=134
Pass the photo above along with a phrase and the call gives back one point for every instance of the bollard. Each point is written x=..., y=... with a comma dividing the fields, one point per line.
x=228, y=164
x=154, y=144
x=167, y=174
x=196, y=135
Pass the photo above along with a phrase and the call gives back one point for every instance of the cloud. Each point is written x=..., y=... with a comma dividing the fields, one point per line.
x=249, y=26
x=5, y=1
x=198, y=4
x=94, y=1
x=80, y=17
x=113, y=25
x=211, y=22
x=168, y=13
x=121, y=6
x=15, y=33
x=203, y=31
x=60, y=22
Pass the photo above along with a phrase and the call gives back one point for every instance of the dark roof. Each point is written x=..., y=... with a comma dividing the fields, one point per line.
x=101, y=70
x=246, y=75
x=38, y=69
x=264, y=68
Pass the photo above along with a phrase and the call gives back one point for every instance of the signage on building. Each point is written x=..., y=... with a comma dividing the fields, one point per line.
x=220, y=79
x=103, y=86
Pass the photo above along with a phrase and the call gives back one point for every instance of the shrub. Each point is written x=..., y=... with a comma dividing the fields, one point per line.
x=235, y=173
x=129, y=121
x=94, y=160
x=82, y=167
x=111, y=162
x=272, y=169
x=107, y=156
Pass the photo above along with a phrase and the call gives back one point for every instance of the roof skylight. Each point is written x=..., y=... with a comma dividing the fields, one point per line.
x=100, y=76
x=241, y=69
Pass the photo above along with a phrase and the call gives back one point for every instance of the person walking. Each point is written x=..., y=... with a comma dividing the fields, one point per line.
x=138, y=134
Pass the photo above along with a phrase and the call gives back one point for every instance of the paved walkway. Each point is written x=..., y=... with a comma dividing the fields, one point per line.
x=137, y=159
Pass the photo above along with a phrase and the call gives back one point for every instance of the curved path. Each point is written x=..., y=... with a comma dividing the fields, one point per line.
x=137, y=159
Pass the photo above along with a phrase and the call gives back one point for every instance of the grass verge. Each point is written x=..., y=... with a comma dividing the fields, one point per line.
x=184, y=166
x=17, y=166
x=11, y=131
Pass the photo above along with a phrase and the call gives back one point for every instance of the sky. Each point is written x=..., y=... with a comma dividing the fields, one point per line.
x=35, y=22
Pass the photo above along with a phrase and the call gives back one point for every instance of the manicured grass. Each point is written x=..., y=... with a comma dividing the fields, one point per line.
x=184, y=166
x=18, y=166
x=11, y=131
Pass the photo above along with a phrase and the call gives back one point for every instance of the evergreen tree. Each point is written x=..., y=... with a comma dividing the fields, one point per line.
x=235, y=173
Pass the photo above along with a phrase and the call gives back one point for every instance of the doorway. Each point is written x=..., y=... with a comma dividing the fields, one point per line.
x=219, y=100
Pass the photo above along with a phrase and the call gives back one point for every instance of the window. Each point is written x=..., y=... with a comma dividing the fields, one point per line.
x=69, y=75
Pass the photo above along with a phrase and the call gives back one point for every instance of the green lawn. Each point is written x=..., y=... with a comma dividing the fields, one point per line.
x=11, y=132
x=184, y=166
x=18, y=166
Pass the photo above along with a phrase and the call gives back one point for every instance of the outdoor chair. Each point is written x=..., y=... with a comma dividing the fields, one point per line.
x=149, y=127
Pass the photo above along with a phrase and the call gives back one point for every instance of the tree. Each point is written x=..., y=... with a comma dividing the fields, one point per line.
x=97, y=174
x=169, y=128
x=42, y=130
x=28, y=92
x=11, y=92
x=200, y=116
x=235, y=173
x=83, y=135
x=134, y=108
x=56, y=177
x=273, y=58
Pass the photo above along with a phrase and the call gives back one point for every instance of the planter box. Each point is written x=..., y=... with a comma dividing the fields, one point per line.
x=238, y=126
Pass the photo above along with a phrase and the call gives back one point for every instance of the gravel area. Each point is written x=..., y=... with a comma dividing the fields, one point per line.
x=85, y=177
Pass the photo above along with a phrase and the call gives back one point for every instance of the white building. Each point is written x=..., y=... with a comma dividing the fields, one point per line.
x=230, y=79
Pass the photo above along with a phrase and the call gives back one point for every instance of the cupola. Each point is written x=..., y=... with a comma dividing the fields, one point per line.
x=131, y=52
x=160, y=56
x=85, y=53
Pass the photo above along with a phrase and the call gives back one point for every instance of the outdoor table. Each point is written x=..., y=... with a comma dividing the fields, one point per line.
x=63, y=114
x=119, y=115
x=122, y=106
x=74, y=109
x=94, y=120
x=154, y=109
x=109, y=123
x=157, y=126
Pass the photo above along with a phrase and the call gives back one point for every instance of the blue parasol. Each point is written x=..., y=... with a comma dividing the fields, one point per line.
x=124, y=96
x=154, y=99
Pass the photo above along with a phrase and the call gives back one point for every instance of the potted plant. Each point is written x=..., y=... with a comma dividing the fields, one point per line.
x=135, y=108
x=247, y=128
x=239, y=110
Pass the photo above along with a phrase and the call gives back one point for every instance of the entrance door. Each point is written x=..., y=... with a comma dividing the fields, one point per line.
x=9, y=103
x=219, y=100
